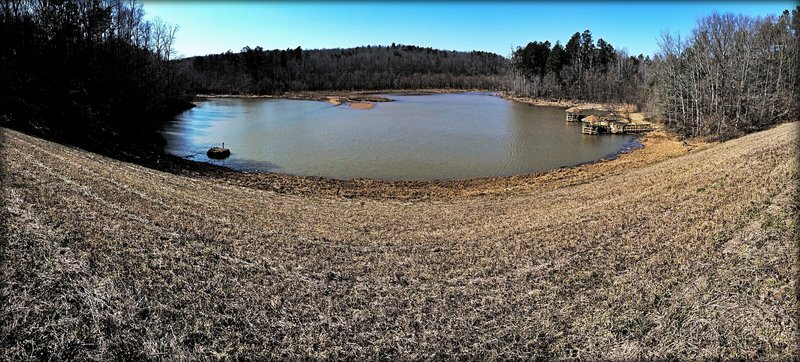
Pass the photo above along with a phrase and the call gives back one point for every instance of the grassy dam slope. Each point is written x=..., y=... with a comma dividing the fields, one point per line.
x=694, y=255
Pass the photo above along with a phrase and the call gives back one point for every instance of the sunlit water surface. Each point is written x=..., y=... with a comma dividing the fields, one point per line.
x=444, y=136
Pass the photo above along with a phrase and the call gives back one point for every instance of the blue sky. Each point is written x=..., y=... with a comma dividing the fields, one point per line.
x=215, y=27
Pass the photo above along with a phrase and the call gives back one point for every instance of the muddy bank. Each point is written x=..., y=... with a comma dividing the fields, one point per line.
x=651, y=148
x=335, y=98
x=339, y=97
x=628, y=111
x=566, y=103
x=361, y=105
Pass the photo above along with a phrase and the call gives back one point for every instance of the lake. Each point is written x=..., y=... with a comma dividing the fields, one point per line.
x=415, y=137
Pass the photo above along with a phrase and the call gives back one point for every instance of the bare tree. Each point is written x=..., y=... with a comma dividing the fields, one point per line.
x=732, y=75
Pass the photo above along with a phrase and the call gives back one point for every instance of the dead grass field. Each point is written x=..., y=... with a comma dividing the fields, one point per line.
x=679, y=254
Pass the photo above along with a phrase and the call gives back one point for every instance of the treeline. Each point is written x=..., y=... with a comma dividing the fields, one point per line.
x=79, y=70
x=731, y=75
x=580, y=70
x=85, y=71
x=259, y=71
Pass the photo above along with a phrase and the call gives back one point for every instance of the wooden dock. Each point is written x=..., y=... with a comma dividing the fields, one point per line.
x=594, y=125
x=614, y=127
x=574, y=114
x=587, y=128
x=637, y=127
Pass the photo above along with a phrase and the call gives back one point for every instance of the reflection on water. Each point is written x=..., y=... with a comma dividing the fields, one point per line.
x=445, y=136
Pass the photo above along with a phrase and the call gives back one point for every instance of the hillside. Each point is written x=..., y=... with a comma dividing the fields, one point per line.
x=259, y=71
x=688, y=256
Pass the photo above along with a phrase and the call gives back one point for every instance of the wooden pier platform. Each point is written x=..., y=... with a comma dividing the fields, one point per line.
x=594, y=125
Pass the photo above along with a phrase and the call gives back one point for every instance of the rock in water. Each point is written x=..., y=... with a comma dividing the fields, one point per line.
x=218, y=152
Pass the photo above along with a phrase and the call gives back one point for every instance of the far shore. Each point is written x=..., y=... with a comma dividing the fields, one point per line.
x=629, y=111
x=363, y=99
x=354, y=99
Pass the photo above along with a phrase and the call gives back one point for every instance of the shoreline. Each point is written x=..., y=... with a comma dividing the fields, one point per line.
x=649, y=148
x=343, y=96
x=652, y=148
x=628, y=111
x=563, y=103
x=343, y=93
x=337, y=98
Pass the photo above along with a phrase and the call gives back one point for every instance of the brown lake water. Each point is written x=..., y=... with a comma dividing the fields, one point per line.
x=419, y=137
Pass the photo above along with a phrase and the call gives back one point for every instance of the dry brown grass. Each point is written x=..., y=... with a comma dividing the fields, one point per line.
x=687, y=255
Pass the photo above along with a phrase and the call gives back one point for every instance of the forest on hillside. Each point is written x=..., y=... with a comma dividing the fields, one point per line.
x=733, y=74
x=89, y=72
x=581, y=69
x=259, y=71
x=98, y=72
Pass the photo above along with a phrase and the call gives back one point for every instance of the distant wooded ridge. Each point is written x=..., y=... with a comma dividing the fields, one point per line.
x=259, y=71
x=580, y=70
